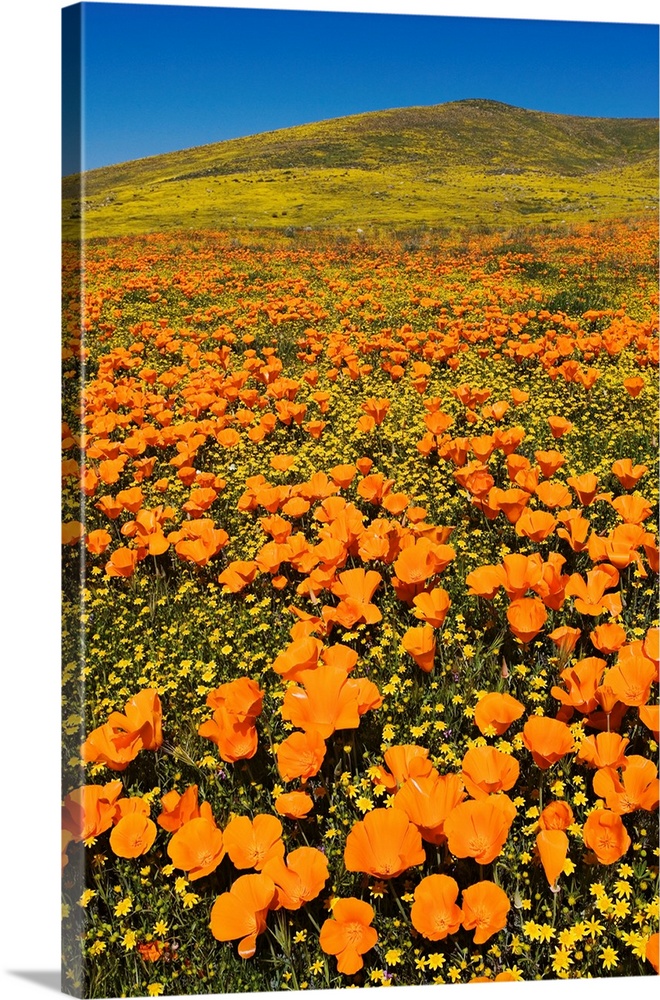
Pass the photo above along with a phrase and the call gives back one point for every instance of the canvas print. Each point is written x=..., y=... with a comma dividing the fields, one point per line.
x=359, y=466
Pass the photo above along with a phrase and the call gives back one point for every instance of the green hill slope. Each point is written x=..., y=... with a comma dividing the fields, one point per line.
x=472, y=162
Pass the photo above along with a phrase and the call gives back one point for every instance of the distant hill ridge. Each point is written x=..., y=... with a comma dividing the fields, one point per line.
x=415, y=147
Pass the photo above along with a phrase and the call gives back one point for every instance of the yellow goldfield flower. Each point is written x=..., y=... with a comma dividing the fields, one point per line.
x=561, y=960
x=123, y=907
x=129, y=939
x=609, y=958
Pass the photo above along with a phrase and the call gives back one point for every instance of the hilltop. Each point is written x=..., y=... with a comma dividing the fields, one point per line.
x=470, y=162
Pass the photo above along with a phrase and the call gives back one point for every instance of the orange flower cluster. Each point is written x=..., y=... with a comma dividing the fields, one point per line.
x=121, y=738
x=287, y=455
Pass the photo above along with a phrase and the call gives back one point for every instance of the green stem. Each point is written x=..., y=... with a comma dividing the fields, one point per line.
x=399, y=904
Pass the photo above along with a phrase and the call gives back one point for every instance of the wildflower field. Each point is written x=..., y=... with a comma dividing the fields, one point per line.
x=360, y=621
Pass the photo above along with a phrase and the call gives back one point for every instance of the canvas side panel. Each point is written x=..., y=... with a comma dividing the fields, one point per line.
x=74, y=877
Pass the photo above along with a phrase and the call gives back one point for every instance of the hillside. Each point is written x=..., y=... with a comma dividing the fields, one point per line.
x=472, y=162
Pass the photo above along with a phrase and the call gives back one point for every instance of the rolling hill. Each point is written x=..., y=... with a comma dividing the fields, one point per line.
x=462, y=164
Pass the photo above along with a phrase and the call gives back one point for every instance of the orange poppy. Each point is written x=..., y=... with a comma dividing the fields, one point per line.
x=427, y=801
x=178, y=809
x=98, y=541
x=132, y=804
x=526, y=618
x=559, y=426
x=348, y=934
x=603, y=750
x=343, y=475
x=581, y=682
x=376, y=408
x=420, y=644
x=556, y=816
x=122, y=562
x=294, y=805
x=627, y=474
x=150, y=951
x=605, y=834
x=651, y=645
x=590, y=596
x=355, y=588
x=553, y=494
x=301, y=654
x=374, y=487
x=133, y=835
x=575, y=529
x=633, y=385
x=496, y=711
x=341, y=656
x=653, y=951
x=327, y=701
x=536, y=525
x=131, y=499
x=109, y=506
x=565, y=638
x=432, y=606
x=385, y=844
x=422, y=560
x=300, y=755
x=485, y=907
x=368, y=695
x=650, y=716
x=198, y=541
x=584, y=486
x=552, y=846
x=238, y=575
x=89, y=811
x=251, y=843
x=119, y=741
x=142, y=714
x=631, y=680
x=241, y=912
x=197, y=848
x=282, y=463
x=637, y=788
x=479, y=828
x=435, y=913
x=608, y=637
x=298, y=880
x=518, y=396
x=407, y=761
x=234, y=739
x=549, y=462
x=485, y=770
x=620, y=546
x=632, y=509
x=548, y=740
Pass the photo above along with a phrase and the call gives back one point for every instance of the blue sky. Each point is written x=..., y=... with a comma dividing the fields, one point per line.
x=160, y=78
